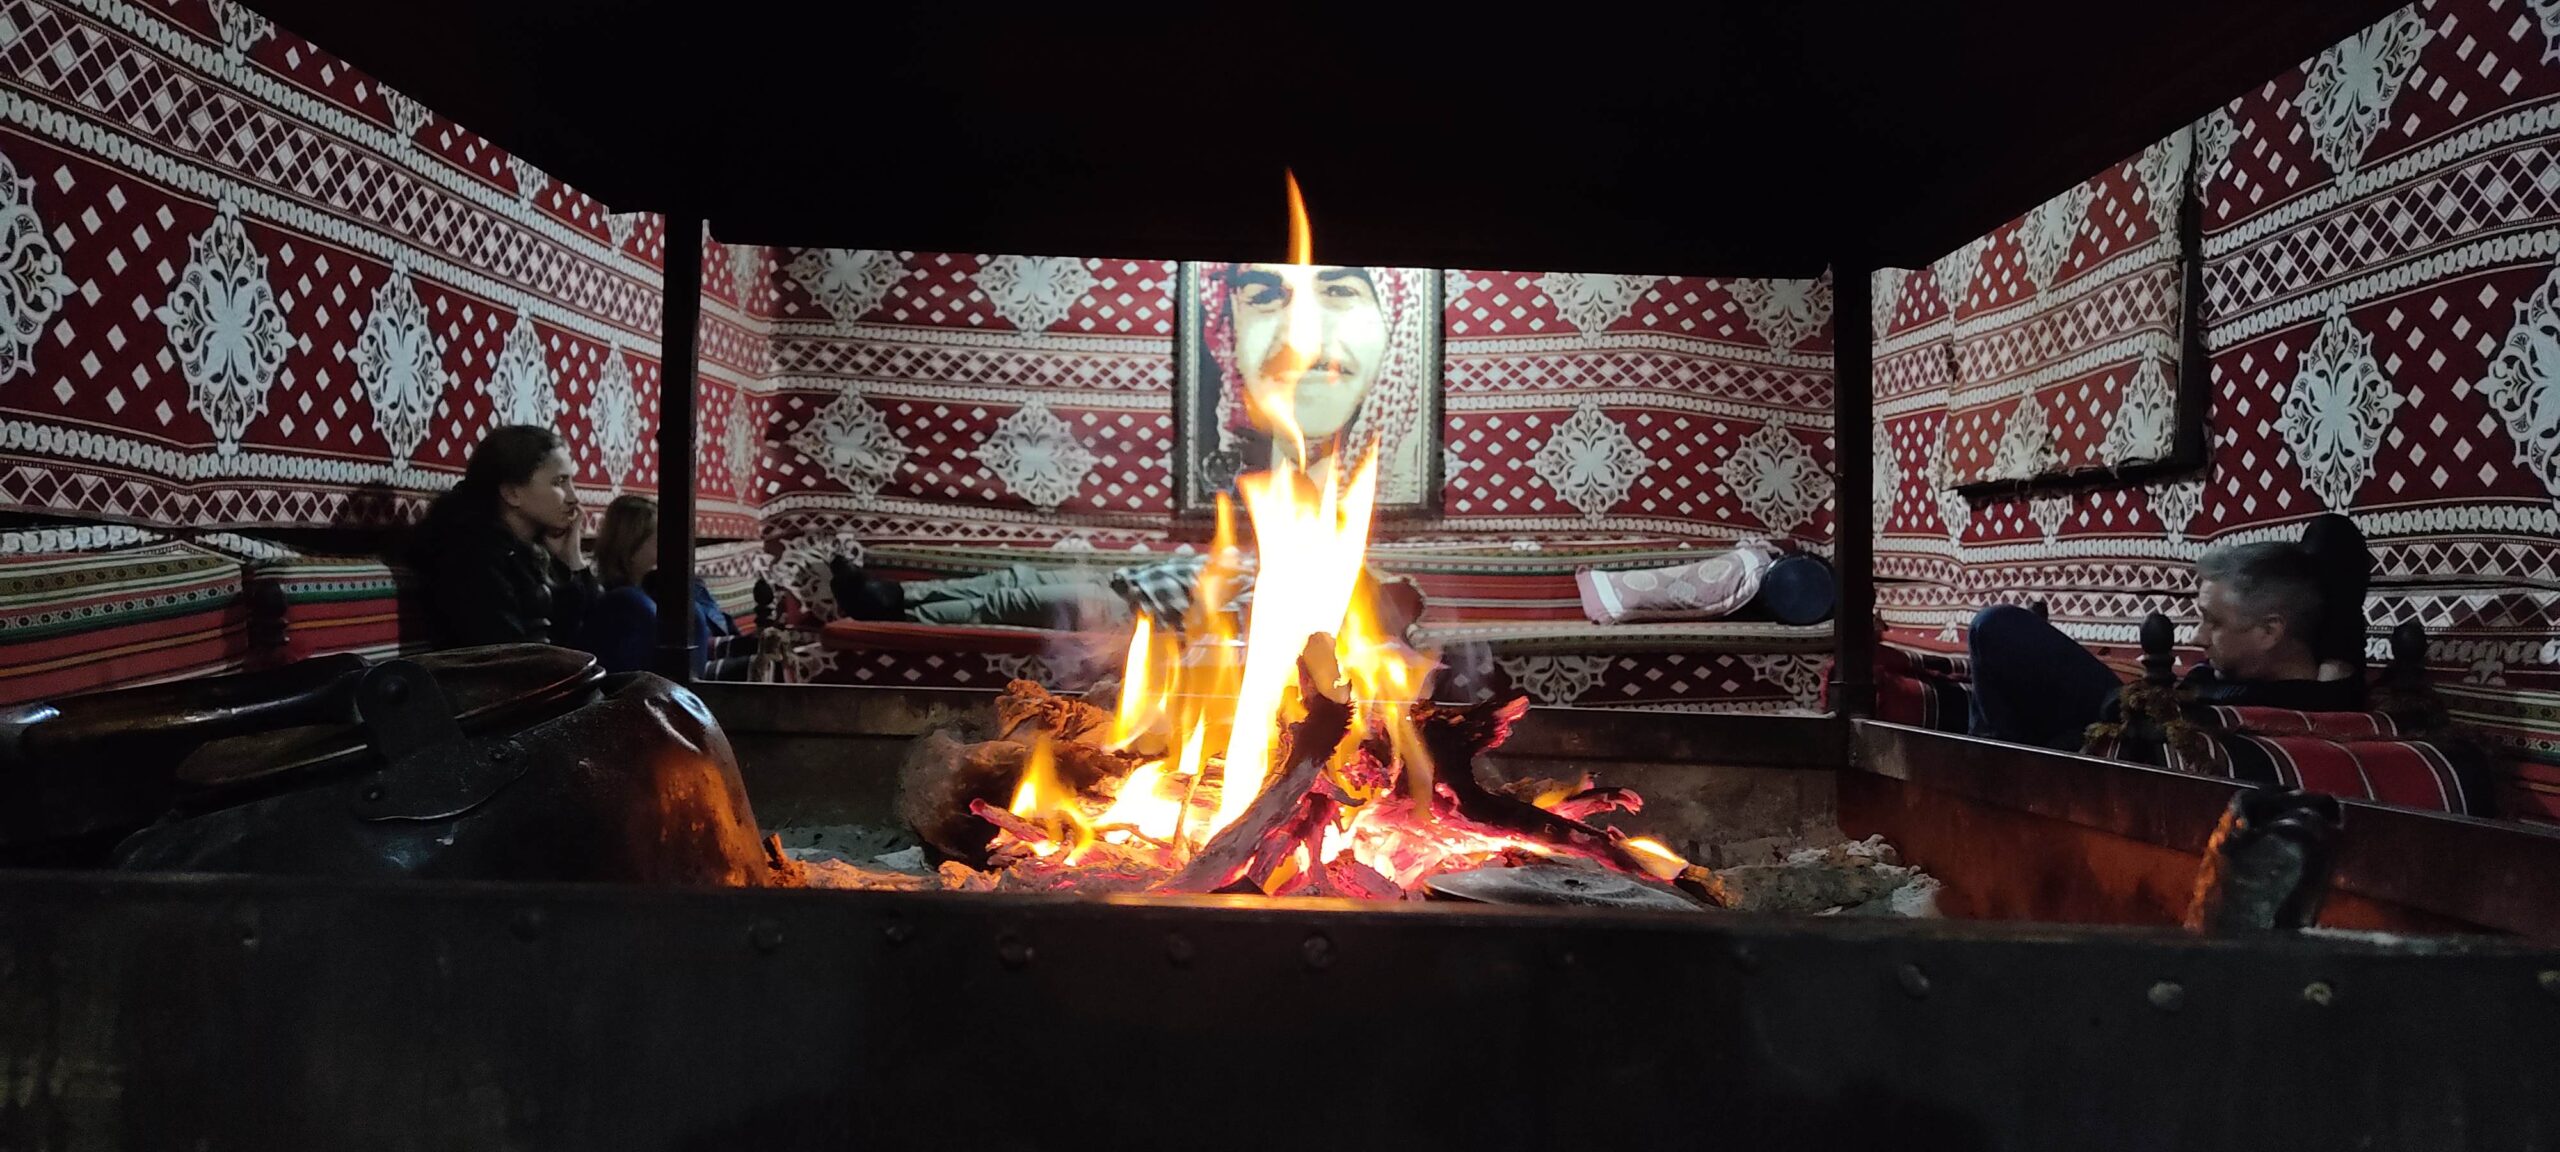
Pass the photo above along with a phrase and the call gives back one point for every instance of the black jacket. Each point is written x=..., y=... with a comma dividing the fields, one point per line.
x=490, y=587
x=2299, y=695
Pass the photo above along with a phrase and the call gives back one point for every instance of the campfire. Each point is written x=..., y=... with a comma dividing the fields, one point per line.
x=1294, y=754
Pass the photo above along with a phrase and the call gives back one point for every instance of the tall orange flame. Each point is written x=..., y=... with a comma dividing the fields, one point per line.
x=1206, y=682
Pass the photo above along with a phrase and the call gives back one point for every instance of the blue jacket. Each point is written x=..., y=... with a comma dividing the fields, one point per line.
x=622, y=628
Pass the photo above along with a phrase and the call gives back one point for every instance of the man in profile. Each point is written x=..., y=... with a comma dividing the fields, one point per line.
x=2281, y=626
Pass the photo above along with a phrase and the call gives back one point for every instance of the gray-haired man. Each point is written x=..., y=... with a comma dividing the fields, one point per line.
x=2281, y=626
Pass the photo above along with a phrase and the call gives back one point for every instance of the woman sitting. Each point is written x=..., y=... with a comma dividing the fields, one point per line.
x=500, y=551
x=622, y=629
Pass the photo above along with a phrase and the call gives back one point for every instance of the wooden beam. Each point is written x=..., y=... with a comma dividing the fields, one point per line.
x=1853, y=524
x=678, y=389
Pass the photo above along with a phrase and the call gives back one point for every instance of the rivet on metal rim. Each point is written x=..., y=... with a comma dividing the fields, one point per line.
x=1014, y=953
x=528, y=924
x=1913, y=981
x=1318, y=951
x=2550, y=980
x=2168, y=996
x=765, y=935
x=2318, y=994
x=1179, y=949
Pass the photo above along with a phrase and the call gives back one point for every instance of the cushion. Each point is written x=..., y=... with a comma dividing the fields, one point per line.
x=2532, y=792
x=2355, y=755
x=730, y=571
x=1919, y=688
x=1702, y=589
x=1739, y=636
x=307, y=606
x=81, y=622
x=908, y=636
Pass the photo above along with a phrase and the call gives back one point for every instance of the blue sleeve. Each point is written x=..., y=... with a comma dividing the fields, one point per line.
x=620, y=629
x=714, y=621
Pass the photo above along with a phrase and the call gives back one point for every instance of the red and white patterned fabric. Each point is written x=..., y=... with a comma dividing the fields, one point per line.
x=949, y=397
x=2381, y=270
x=248, y=286
x=2062, y=328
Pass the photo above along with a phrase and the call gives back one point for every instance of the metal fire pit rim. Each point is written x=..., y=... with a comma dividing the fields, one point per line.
x=511, y=905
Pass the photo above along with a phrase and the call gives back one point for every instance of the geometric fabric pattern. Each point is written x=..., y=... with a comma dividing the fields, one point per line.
x=246, y=285
x=2381, y=279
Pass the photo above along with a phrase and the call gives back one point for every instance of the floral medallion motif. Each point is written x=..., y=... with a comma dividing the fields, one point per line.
x=2026, y=443
x=853, y=442
x=1776, y=477
x=1590, y=461
x=2347, y=93
x=1034, y=292
x=847, y=282
x=1037, y=456
x=1783, y=311
x=2336, y=411
x=2176, y=504
x=31, y=284
x=1955, y=271
x=1592, y=301
x=2046, y=236
x=521, y=387
x=2523, y=382
x=2163, y=170
x=2142, y=429
x=1797, y=674
x=1554, y=679
x=225, y=327
x=400, y=364
x=615, y=418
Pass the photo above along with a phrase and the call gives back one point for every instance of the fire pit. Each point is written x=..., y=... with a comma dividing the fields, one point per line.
x=1290, y=748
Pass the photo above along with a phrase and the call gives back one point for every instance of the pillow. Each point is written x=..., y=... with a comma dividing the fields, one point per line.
x=1698, y=590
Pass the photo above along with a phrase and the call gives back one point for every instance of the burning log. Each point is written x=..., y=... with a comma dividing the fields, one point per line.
x=943, y=778
x=1066, y=719
x=1456, y=736
x=1277, y=818
x=1582, y=799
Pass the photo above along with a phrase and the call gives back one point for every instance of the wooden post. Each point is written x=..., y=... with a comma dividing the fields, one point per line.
x=680, y=316
x=1853, y=512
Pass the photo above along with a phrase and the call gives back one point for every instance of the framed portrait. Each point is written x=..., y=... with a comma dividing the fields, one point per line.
x=1372, y=380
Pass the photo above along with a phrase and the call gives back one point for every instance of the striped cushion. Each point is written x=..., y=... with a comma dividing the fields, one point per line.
x=85, y=621
x=307, y=606
x=908, y=636
x=2532, y=792
x=2356, y=755
x=730, y=571
x=2408, y=773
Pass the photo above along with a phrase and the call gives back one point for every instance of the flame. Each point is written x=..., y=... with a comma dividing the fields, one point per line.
x=1050, y=802
x=1210, y=681
x=1659, y=861
x=1270, y=387
x=1142, y=806
x=1311, y=543
x=1302, y=235
x=1141, y=699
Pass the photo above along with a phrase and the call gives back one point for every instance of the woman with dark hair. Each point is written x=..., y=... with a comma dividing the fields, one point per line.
x=500, y=551
x=623, y=626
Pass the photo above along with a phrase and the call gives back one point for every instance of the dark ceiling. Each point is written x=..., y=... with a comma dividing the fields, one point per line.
x=1770, y=137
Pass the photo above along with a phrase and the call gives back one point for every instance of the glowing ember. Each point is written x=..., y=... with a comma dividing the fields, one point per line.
x=1360, y=810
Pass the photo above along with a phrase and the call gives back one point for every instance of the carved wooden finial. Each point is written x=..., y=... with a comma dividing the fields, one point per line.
x=2159, y=661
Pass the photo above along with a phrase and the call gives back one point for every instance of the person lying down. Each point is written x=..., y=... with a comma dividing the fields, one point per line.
x=1076, y=599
